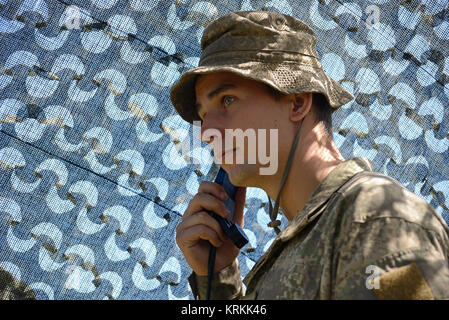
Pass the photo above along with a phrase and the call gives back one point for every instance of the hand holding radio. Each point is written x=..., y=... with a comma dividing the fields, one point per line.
x=198, y=228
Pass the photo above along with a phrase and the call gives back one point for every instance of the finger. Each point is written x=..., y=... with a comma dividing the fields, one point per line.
x=205, y=201
x=202, y=218
x=189, y=237
x=212, y=188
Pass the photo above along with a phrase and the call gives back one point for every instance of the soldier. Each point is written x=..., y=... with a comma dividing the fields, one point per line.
x=352, y=233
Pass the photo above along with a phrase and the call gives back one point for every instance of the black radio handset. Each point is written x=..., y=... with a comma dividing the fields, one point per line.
x=232, y=230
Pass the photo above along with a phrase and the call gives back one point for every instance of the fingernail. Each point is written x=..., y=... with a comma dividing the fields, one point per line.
x=224, y=196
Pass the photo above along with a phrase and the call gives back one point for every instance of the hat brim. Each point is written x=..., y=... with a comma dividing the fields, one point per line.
x=288, y=78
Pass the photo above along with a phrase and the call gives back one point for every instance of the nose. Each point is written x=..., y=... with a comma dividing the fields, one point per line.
x=206, y=136
x=211, y=128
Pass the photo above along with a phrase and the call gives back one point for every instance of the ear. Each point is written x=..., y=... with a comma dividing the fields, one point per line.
x=301, y=104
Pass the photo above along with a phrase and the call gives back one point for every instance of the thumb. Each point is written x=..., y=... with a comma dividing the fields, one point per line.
x=240, y=198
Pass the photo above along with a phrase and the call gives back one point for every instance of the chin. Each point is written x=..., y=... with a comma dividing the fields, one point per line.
x=242, y=175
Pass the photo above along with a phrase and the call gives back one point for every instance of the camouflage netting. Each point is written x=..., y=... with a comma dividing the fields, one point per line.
x=92, y=178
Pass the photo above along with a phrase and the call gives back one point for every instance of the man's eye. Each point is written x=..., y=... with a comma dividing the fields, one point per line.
x=227, y=100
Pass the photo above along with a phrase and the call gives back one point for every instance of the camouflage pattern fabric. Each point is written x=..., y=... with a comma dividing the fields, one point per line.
x=361, y=235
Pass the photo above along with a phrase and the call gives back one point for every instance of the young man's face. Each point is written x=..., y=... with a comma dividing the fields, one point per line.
x=228, y=101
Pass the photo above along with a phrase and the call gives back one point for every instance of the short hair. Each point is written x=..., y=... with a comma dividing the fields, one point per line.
x=323, y=112
x=320, y=105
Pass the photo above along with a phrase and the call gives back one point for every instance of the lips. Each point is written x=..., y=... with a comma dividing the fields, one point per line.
x=223, y=154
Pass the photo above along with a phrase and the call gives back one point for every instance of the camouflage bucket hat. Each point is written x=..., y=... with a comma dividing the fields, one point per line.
x=269, y=47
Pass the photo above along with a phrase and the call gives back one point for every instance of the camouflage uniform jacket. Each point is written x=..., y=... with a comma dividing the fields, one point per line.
x=365, y=238
x=12, y=288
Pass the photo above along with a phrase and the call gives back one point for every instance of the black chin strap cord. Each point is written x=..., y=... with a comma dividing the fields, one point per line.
x=274, y=211
x=210, y=269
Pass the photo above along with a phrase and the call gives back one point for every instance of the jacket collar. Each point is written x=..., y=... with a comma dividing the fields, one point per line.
x=338, y=176
x=314, y=206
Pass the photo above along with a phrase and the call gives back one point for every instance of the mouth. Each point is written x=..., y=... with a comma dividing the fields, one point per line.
x=224, y=153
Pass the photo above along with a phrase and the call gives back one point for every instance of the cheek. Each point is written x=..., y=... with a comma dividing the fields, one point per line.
x=257, y=114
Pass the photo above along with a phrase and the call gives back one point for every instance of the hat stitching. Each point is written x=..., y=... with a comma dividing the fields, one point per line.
x=265, y=61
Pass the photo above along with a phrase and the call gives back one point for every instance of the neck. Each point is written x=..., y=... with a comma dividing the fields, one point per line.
x=315, y=156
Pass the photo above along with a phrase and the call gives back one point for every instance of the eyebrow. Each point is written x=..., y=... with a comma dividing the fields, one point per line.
x=215, y=92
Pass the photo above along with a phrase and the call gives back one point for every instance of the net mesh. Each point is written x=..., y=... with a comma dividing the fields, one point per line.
x=93, y=180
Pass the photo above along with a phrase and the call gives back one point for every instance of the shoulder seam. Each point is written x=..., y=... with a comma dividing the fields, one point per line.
x=363, y=175
x=435, y=232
